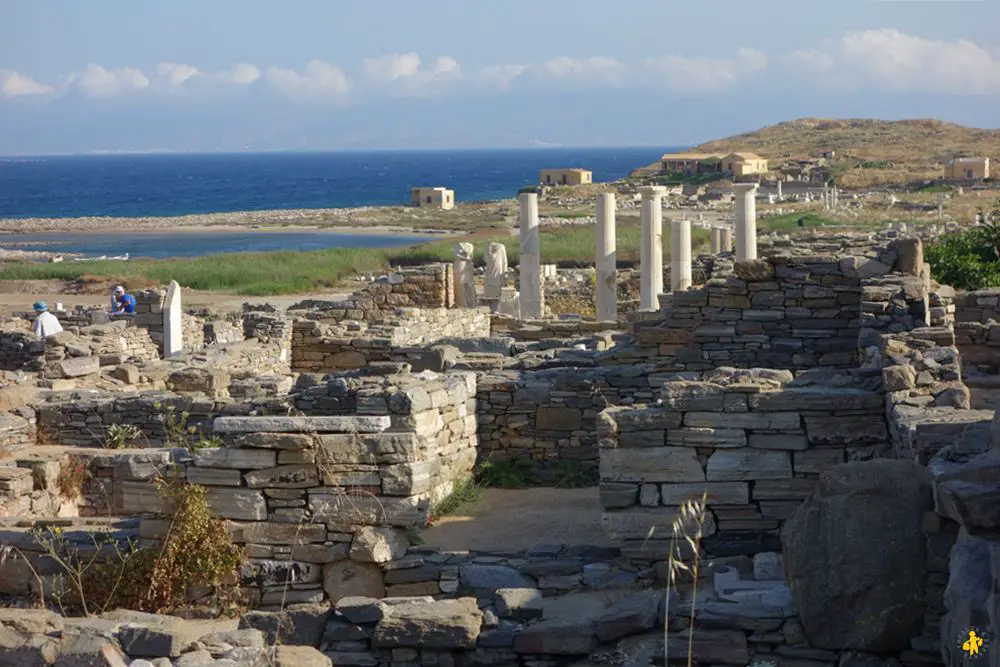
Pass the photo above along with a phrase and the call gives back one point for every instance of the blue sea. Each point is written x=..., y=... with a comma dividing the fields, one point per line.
x=181, y=184
x=175, y=185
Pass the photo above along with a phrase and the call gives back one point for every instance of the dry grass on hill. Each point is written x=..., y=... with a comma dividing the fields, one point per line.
x=914, y=142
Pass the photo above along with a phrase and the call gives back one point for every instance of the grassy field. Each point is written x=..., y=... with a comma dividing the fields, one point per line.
x=267, y=274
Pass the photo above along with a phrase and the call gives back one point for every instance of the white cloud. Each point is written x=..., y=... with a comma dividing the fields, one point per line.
x=241, y=74
x=405, y=72
x=13, y=84
x=499, y=76
x=705, y=75
x=392, y=67
x=598, y=70
x=319, y=81
x=888, y=59
x=883, y=59
x=175, y=74
x=96, y=81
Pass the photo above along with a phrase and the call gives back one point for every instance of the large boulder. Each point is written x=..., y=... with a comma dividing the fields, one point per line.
x=856, y=557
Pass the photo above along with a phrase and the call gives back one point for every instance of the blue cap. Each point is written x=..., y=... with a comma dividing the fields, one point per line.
x=40, y=305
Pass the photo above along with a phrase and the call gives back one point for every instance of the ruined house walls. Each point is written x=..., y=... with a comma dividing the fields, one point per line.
x=324, y=348
x=755, y=441
x=786, y=312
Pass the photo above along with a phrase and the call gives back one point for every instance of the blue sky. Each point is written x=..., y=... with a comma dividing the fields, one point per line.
x=219, y=75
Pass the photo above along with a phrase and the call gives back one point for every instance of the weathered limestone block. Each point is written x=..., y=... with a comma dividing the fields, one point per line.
x=748, y=464
x=409, y=479
x=853, y=430
x=844, y=564
x=238, y=504
x=780, y=421
x=826, y=399
x=443, y=624
x=636, y=523
x=78, y=367
x=342, y=424
x=716, y=493
x=29, y=637
x=284, y=477
x=684, y=396
x=652, y=464
x=210, y=381
x=378, y=544
x=348, y=578
x=230, y=457
x=966, y=489
x=558, y=419
x=720, y=438
x=276, y=533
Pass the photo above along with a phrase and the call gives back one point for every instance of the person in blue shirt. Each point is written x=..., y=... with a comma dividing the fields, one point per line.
x=124, y=303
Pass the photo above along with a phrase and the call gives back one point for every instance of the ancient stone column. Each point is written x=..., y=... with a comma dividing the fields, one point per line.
x=496, y=272
x=530, y=262
x=465, y=287
x=680, y=255
x=779, y=189
x=727, y=239
x=173, y=318
x=746, y=221
x=651, y=247
x=606, y=286
x=940, y=206
x=716, y=240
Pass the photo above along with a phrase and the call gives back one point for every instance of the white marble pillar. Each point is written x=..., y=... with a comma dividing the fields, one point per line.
x=779, y=189
x=716, y=240
x=606, y=286
x=680, y=255
x=727, y=239
x=173, y=315
x=530, y=262
x=746, y=221
x=826, y=198
x=940, y=206
x=651, y=247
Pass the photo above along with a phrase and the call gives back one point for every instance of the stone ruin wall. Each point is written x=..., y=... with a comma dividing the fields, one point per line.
x=326, y=348
x=763, y=436
x=755, y=441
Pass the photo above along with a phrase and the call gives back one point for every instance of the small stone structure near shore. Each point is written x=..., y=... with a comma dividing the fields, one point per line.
x=813, y=393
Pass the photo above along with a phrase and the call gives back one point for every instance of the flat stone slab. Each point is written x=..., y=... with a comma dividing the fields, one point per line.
x=340, y=424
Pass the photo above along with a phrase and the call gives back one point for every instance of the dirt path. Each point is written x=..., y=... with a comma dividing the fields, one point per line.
x=520, y=519
x=18, y=296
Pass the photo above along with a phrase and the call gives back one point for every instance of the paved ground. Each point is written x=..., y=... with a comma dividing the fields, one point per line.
x=521, y=518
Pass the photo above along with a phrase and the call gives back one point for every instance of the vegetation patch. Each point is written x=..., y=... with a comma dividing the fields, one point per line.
x=968, y=260
x=196, y=553
x=269, y=274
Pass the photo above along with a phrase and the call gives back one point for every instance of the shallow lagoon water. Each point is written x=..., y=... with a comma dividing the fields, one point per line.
x=158, y=245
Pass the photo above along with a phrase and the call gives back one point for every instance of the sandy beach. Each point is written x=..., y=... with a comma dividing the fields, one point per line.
x=367, y=219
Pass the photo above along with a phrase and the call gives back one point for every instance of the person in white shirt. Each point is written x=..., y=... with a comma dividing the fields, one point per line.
x=46, y=324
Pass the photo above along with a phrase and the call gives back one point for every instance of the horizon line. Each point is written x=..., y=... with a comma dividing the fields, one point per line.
x=327, y=151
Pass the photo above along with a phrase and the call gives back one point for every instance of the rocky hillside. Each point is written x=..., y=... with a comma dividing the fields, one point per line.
x=914, y=142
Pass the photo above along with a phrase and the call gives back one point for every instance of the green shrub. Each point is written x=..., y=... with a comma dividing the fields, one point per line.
x=507, y=473
x=969, y=260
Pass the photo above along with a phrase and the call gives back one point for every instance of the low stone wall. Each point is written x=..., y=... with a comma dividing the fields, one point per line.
x=20, y=350
x=788, y=311
x=551, y=417
x=754, y=441
x=425, y=287
x=84, y=422
x=324, y=348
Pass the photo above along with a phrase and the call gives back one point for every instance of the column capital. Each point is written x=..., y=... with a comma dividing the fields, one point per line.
x=745, y=187
x=652, y=190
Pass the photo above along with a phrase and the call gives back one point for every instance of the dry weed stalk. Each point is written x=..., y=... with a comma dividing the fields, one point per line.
x=688, y=530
